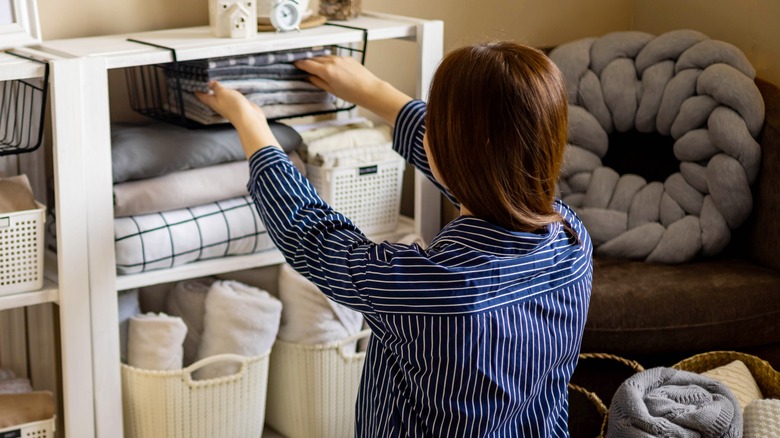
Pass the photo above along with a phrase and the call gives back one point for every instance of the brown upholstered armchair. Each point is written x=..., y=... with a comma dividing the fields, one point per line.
x=658, y=314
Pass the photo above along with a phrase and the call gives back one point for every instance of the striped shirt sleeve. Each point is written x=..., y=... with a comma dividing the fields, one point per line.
x=408, y=142
x=319, y=242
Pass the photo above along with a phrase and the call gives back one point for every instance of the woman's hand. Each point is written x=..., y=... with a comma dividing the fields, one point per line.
x=229, y=103
x=346, y=78
x=248, y=119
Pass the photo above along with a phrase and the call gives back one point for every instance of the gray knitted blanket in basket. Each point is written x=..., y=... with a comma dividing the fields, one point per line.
x=663, y=402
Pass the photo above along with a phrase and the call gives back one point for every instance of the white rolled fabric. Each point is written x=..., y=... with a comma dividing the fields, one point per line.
x=239, y=319
x=154, y=342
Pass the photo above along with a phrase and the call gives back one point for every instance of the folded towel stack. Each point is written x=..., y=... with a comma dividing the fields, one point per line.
x=267, y=79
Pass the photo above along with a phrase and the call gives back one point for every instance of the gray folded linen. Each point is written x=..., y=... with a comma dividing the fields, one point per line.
x=673, y=403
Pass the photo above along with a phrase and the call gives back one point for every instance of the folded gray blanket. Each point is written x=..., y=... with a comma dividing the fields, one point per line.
x=664, y=402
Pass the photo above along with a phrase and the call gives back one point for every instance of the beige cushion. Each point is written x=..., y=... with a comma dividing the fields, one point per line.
x=737, y=377
x=762, y=419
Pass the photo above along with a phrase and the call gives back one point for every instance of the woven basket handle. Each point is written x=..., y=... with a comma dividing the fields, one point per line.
x=346, y=341
x=600, y=406
x=187, y=372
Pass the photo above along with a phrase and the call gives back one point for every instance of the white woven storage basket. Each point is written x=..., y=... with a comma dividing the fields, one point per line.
x=312, y=389
x=369, y=195
x=171, y=404
x=36, y=429
x=21, y=250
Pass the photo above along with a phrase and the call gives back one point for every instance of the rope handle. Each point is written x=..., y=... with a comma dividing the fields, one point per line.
x=348, y=340
x=242, y=360
x=595, y=399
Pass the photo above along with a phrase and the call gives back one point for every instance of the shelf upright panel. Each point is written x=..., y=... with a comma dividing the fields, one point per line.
x=70, y=116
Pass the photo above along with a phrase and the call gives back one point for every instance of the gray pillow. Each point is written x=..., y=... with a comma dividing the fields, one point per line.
x=140, y=151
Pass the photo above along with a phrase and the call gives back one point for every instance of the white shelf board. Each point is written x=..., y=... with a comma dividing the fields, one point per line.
x=13, y=67
x=48, y=294
x=203, y=268
x=197, y=42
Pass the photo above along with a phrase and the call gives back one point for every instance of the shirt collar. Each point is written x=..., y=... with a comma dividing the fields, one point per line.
x=481, y=235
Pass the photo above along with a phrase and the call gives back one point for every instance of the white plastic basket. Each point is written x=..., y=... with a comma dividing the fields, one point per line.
x=21, y=250
x=171, y=404
x=312, y=389
x=36, y=429
x=369, y=194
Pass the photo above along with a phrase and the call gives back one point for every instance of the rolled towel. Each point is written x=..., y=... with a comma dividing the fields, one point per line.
x=15, y=385
x=187, y=300
x=239, y=319
x=154, y=342
x=129, y=306
x=16, y=409
x=308, y=316
x=668, y=402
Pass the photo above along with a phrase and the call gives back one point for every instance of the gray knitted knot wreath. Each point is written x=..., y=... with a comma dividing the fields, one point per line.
x=680, y=84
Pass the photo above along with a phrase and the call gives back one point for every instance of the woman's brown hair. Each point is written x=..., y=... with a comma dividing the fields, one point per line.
x=496, y=130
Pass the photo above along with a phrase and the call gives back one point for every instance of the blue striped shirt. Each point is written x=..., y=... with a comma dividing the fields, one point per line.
x=476, y=335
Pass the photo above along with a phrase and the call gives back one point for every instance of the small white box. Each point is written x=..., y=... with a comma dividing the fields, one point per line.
x=368, y=194
x=36, y=429
x=21, y=250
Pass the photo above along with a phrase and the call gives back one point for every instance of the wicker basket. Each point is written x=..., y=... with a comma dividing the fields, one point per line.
x=312, y=389
x=36, y=429
x=768, y=378
x=171, y=404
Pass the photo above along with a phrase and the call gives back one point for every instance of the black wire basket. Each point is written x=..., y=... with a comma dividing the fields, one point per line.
x=166, y=92
x=22, y=109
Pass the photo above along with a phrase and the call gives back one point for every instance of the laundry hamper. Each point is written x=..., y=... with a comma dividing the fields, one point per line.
x=369, y=194
x=171, y=404
x=35, y=429
x=21, y=250
x=312, y=389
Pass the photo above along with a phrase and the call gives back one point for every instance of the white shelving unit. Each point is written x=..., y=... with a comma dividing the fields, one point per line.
x=86, y=62
x=69, y=290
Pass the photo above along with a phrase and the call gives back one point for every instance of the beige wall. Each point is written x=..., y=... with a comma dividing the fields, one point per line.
x=751, y=25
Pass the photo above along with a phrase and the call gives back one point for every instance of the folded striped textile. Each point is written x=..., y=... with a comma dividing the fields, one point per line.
x=172, y=238
x=207, y=117
x=246, y=86
x=271, y=71
x=258, y=58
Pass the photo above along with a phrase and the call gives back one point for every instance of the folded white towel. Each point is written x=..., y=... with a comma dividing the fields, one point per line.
x=239, y=319
x=187, y=300
x=308, y=316
x=154, y=342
